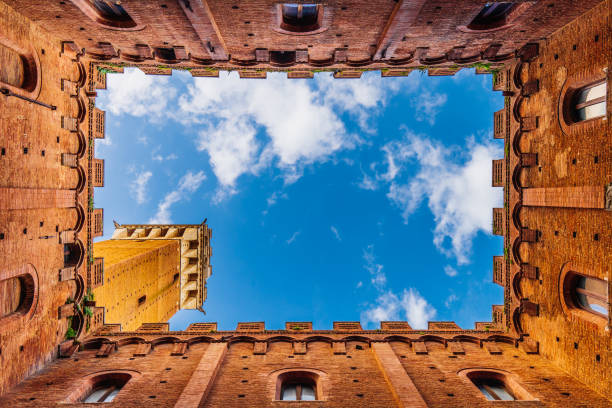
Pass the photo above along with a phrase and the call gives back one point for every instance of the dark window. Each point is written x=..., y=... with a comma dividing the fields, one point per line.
x=142, y=299
x=590, y=294
x=106, y=388
x=589, y=102
x=494, y=389
x=72, y=254
x=12, y=293
x=111, y=13
x=12, y=71
x=298, y=391
x=492, y=15
x=300, y=17
x=282, y=57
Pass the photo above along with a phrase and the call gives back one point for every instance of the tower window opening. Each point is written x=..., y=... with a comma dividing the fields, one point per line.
x=492, y=15
x=494, y=389
x=587, y=293
x=589, y=102
x=106, y=387
x=298, y=391
x=111, y=13
x=300, y=17
x=297, y=386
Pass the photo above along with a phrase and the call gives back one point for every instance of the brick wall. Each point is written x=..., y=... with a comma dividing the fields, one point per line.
x=375, y=369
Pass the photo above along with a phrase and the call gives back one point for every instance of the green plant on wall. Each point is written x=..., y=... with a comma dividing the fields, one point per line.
x=70, y=333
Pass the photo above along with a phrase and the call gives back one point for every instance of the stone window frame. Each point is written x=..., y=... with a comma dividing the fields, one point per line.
x=323, y=20
x=86, y=385
x=509, y=21
x=567, y=100
x=510, y=381
x=28, y=305
x=573, y=311
x=94, y=15
x=277, y=378
x=32, y=80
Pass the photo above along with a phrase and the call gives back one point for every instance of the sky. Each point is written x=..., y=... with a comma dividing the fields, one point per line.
x=329, y=199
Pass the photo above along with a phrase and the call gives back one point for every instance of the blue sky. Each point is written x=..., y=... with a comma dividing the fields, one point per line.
x=329, y=199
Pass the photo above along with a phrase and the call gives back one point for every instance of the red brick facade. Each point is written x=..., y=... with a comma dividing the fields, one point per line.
x=555, y=174
x=375, y=368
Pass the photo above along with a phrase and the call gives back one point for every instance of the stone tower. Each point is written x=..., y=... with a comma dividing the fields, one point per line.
x=146, y=273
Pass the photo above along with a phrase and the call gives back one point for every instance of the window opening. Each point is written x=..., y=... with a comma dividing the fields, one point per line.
x=589, y=102
x=492, y=15
x=300, y=17
x=298, y=392
x=591, y=295
x=494, y=389
x=112, y=13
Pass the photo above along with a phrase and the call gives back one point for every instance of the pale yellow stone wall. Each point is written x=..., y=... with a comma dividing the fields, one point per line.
x=136, y=268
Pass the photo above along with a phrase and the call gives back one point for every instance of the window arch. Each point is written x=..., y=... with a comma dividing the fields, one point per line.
x=73, y=254
x=297, y=386
x=588, y=102
x=586, y=293
x=493, y=15
x=108, y=13
x=17, y=294
x=102, y=386
x=20, y=71
x=300, y=18
x=496, y=385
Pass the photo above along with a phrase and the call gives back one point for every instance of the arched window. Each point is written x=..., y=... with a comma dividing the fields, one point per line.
x=17, y=295
x=297, y=386
x=589, y=102
x=12, y=70
x=112, y=13
x=72, y=254
x=587, y=293
x=497, y=385
x=492, y=15
x=300, y=18
x=106, y=387
x=494, y=389
x=19, y=69
x=298, y=391
x=109, y=13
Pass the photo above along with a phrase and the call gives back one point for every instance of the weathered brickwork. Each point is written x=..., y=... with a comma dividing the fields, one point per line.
x=44, y=200
x=54, y=55
x=378, y=369
x=141, y=282
x=556, y=177
x=358, y=33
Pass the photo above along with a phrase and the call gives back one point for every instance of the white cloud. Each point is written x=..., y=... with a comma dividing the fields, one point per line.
x=427, y=106
x=450, y=300
x=458, y=194
x=137, y=94
x=274, y=197
x=293, y=237
x=450, y=271
x=187, y=185
x=378, y=277
x=160, y=158
x=359, y=284
x=334, y=231
x=367, y=182
x=418, y=311
x=106, y=142
x=138, y=186
x=251, y=125
x=410, y=306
